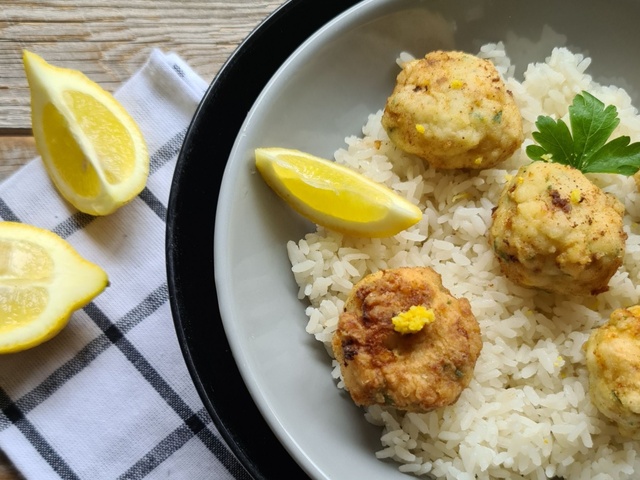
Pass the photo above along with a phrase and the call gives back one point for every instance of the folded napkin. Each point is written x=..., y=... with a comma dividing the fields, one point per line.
x=110, y=396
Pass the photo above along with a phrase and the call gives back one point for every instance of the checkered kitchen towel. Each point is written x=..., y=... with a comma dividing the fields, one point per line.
x=110, y=396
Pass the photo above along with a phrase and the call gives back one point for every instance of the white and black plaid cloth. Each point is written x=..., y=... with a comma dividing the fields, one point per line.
x=110, y=396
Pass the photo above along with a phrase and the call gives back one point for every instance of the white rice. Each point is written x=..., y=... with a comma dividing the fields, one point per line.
x=527, y=413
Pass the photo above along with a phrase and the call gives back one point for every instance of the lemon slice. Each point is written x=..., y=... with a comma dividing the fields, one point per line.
x=42, y=281
x=93, y=150
x=333, y=195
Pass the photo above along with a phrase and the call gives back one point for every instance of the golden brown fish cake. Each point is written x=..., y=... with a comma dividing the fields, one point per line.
x=416, y=372
x=453, y=110
x=553, y=229
x=613, y=361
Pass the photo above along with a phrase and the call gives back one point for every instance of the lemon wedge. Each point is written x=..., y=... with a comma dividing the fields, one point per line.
x=42, y=281
x=93, y=150
x=335, y=196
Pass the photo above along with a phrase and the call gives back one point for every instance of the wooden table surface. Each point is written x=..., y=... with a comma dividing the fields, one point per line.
x=108, y=40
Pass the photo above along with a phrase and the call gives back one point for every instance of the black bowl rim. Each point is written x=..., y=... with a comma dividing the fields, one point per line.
x=190, y=230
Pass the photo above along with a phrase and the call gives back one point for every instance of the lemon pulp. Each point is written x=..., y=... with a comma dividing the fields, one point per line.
x=344, y=203
x=21, y=263
x=42, y=281
x=110, y=139
x=66, y=155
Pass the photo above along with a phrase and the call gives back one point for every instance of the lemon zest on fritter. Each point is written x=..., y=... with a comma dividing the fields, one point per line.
x=576, y=196
x=413, y=320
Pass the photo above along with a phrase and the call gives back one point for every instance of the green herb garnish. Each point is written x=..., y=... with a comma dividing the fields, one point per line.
x=585, y=147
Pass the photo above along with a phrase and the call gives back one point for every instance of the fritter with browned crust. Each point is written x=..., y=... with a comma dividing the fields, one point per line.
x=417, y=371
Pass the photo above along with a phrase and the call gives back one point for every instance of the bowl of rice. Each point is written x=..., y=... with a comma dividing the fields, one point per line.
x=280, y=282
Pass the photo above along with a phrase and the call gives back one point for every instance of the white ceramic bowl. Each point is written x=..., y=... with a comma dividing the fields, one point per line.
x=320, y=94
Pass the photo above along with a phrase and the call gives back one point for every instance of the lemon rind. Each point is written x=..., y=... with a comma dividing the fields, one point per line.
x=401, y=214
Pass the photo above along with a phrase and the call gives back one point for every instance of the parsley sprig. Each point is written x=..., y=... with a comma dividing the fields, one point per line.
x=585, y=147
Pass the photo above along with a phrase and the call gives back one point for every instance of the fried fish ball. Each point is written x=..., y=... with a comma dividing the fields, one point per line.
x=417, y=371
x=613, y=361
x=453, y=110
x=555, y=230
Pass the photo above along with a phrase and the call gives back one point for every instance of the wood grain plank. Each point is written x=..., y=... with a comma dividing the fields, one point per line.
x=108, y=40
x=15, y=151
